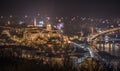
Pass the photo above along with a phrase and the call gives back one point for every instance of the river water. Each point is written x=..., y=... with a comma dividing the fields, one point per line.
x=113, y=49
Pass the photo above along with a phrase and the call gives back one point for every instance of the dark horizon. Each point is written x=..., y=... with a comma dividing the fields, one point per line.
x=60, y=8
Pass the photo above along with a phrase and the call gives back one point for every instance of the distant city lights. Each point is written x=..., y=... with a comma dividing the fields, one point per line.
x=1, y=17
x=48, y=18
x=60, y=26
x=41, y=22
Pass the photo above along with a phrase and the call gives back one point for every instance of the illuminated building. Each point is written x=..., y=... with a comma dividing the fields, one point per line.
x=48, y=27
x=9, y=22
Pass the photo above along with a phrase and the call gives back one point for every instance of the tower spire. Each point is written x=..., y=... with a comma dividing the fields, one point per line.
x=35, y=23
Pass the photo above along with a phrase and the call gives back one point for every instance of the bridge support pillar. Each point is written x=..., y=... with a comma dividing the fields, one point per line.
x=100, y=47
x=113, y=48
x=110, y=46
x=104, y=45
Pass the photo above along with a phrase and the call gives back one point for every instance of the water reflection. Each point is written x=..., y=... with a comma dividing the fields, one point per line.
x=113, y=49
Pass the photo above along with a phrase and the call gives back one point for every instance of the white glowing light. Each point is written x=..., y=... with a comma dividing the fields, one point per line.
x=26, y=16
x=38, y=14
x=59, y=20
x=118, y=24
x=103, y=21
x=41, y=22
x=21, y=22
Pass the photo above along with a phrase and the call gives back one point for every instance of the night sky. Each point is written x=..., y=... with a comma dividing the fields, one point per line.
x=60, y=7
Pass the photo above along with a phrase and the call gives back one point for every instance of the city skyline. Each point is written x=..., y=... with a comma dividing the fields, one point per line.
x=59, y=35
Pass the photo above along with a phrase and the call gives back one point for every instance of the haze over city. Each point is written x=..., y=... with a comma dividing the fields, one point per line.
x=59, y=35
